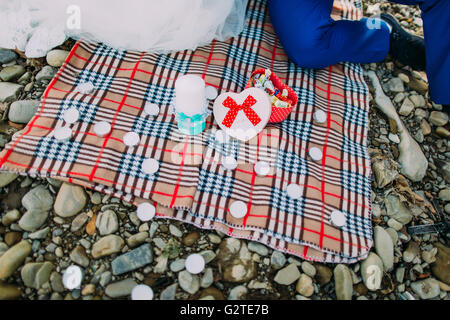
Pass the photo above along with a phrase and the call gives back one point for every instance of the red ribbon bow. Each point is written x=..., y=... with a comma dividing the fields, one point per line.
x=235, y=108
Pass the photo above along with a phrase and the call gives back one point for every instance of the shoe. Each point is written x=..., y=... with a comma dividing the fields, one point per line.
x=405, y=47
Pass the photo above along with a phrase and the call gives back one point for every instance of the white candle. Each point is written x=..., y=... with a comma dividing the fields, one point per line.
x=190, y=95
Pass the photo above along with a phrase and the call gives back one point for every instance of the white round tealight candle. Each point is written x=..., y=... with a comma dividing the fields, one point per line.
x=338, y=219
x=190, y=95
x=195, y=263
x=229, y=163
x=145, y=211
x=131, y=139
x=294, y=191
x=151, y=109
x=150, y=166
x=62, y=134
x=315, y=154
x=71, y=115
x=102, y=129
x=72, y=277
x=142, y=292
x=238, y=209
x=262, y=168
x=211, y=92
x=320, y=116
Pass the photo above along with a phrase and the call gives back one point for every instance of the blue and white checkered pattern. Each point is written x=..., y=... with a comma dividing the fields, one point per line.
x=99, y=80
x=235, y=76
x=291, y=162
x=103, y=50
x=231, y=148
x=305, y=96
x=242, y=55
x=159, y=95
x=131, y=165
x=168, y=62
x=215, y=183
x=298, y=129
x=354, y=148
x=356, y=182
x=355, y=115
x=357, y=225
x=50, y=148
x=280, y=200
x=87, y=110
x=355, y=86
x=146, y=126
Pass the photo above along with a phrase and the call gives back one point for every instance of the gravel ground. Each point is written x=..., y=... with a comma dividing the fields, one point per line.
x=47, y=226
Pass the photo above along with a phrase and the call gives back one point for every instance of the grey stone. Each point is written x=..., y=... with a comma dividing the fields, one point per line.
x=7, y=56
x=385, y=171
x=208, y=255
x=343, y=282
x=169, y=292
x=309, y=269
x=259, y=248
x=175, y=231
x=188, y=282
x=444, y=194
x=9, y=91
x=207, y=279
x=438, y=118
x=305, y=285
x=56, y=58
x=35, y=274
x=7, y=178
x=372, y=271
x=419, y=101
x=287, y=275
x=38, y=199
x=13, y=258
x=397, y=210
x=121, y=288
x=56, y=282
x=70, y=200
x=23, y=110
x=78, y=255
x=79, y=221
x=426, y=289
x=177, y=265
x=107, y=222
x=33, y=219
x=395, y=85
x=137, y=239
x=107, y=245
x=384, y=247
x=132, y=260
x=10, y=217
x=237, y=293
x=11, y=73
x=47, y=73
x=277, y=260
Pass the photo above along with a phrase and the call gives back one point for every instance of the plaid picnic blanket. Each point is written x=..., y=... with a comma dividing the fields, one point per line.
x=191, y=185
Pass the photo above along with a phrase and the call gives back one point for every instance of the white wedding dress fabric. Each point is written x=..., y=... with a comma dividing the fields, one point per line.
x=160, y=26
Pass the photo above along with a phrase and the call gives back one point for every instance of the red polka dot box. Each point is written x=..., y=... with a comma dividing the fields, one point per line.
x=281, y=105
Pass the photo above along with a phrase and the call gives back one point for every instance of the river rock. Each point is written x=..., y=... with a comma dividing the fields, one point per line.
x=56, y=57
x=235, y=261
x=70, y=200
x=191, y=238
x=397, y=210
x=6, y=178
x=287, y=275
x=47, y=73
x=188, y=282
x=23, y=110
x=259, y=248
x=35, y=274
x=107, y=222
x=9, y=91
x=237, y=293
x=169, y=292
x=132, y=260
x=12, y=73
x=406, y=108
x=13, y=258
x=438, y=118
x=10, y=217
x=137, y=239
x=33, y=219
x=343, y=282
x=309, y=269
x=441, y=267
x=384, y=247
x=207, y=279
x=277, y=260
x=426, y=289
x=9, y=291
x=305, y=285
x=395, y=85
x=79, y=221
x=120, y=288
x=385, y=171
x=40, y=234
x=107, y=245
x=372, y=271
x=7, y=56
x=323, y=274
x=79, y=256
x=38, y=199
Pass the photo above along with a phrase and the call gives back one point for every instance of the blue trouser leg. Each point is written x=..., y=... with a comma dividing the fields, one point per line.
x=312, y=39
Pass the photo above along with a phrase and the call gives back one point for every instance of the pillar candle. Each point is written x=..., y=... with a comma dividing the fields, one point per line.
x=190, y=95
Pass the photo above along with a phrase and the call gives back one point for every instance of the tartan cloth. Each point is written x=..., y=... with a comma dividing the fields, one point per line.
x=191, y=185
